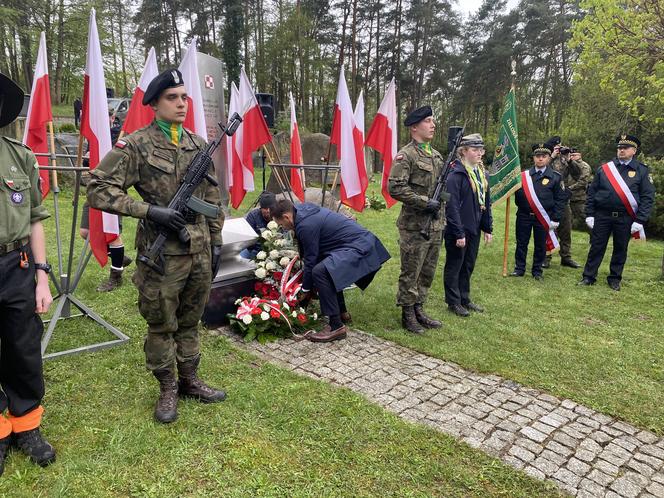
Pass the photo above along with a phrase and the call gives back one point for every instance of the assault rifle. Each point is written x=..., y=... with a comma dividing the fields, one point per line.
x=454, y=135
x=184, y=200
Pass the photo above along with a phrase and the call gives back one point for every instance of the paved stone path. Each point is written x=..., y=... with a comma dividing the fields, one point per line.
x=586, y=453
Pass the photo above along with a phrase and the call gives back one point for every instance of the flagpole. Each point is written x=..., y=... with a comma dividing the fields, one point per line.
x=508, y=200
x=56, y=190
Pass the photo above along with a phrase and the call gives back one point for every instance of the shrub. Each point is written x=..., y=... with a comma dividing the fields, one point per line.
x=655, y=227
x=67, y=128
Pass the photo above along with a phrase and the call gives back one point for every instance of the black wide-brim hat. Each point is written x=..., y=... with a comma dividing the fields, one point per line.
x=11, y=100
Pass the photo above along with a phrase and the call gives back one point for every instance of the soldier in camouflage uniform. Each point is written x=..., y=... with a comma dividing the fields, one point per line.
x=580, y=176
x=412, y=181
x=154, y=160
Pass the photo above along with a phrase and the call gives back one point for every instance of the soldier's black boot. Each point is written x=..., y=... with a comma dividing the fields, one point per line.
x=425, y=320
x=190, y=386
x=409, y=320
x=4, y=448
x=166, y=409
x=33, y=444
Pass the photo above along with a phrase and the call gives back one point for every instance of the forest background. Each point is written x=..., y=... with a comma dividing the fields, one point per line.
x=586, y=70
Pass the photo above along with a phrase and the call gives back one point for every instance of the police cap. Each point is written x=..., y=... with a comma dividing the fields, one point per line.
x=11, y=100
x=628, y=141
x=545, y=148
x=418, y=115
x=170, y=78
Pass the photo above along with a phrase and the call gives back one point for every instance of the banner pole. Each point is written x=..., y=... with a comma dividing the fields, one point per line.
x=507, y=235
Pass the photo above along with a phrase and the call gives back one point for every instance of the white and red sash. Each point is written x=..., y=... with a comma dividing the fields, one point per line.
x=539, y=211
x=625, y=195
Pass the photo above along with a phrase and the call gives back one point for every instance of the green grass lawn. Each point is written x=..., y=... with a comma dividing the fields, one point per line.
x=278, y=434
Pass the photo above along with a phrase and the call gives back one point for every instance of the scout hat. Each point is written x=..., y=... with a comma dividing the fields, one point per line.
x=11, y=100
x=472, y=140
x=170, y=78
x=418, y=115
x=267, y=200
x=545, y=148
x=628, y=141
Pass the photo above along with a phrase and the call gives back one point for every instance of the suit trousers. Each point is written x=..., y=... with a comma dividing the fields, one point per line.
x=605, y=226
x=459, y=266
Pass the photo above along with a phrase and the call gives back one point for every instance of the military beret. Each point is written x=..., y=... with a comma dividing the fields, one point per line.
x=545, y=148
x=472, y=140
x=418, y=115
x=11, y=100
x=267, y=200
x=553, y=141
x=170, y=78
x=628, y=140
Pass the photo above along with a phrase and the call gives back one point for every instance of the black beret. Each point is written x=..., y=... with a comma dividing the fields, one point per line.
x=628, y=140
x=170, y=78
x=267, y=200
x=418, y=115
x=545, y=148
x=11, y=100
x=553, y=141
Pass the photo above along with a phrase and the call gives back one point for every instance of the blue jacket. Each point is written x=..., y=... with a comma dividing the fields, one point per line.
x=463, y=212
x=350, y=252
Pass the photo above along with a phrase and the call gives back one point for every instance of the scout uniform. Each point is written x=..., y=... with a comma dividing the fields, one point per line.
x=549, y=189
x=154, y=160
x=21, y=376
x=412, y=181
x=618, y=203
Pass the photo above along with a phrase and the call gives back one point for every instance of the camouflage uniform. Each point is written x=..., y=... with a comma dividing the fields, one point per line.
x=412, y=181
x=172, y=304
x=564, y=231
x=579, y=177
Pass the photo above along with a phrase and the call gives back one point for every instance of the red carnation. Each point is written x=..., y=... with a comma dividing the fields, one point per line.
x=302, y=317
x=274, y=314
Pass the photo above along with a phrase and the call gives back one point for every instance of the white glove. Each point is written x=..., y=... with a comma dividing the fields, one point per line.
x=636, y=227
x=590, y=221
x=554, y=224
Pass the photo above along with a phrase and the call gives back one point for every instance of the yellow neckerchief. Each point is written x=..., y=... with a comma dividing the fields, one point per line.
x=173, y=131
x=477, y=180
x=425, y=146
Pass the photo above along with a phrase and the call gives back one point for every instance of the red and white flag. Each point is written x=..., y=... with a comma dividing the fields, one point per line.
x=139, y=115
x=95, y=127
x=39, y=114
x=539, y=211
x=382, y=137
x=296, y=180
x=252, y=133
x=195, y=120
x=353, y=175
x=234, y=178
x=625, y=195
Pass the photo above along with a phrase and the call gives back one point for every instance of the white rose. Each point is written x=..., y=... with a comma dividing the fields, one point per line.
x=265, y=316
x=315, y=316
x=272, y=225
x=286, y=306
x=294, y=314
x=260, y=264
x=246, y=319
x=261, y=255
x=270, y=266
x=260, y=273
x=284, y=261
x=267, y=235
x=274, y=254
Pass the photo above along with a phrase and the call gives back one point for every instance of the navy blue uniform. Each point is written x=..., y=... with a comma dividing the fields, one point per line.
x=465, y=219
x=551, y=193
x=611, y=217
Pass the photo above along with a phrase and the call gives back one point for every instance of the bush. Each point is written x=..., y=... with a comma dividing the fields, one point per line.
x=655, y=227
x=67, y=128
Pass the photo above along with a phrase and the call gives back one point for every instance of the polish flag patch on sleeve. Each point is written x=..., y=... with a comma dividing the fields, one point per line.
x=120, y=144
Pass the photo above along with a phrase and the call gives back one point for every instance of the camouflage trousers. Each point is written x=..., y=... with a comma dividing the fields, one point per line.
x=578, y=207
x=419, y=258
x=172, y=305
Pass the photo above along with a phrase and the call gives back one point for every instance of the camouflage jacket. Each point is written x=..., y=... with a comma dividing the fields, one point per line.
x=577, y=175
x=412, y=181
x=151, y=164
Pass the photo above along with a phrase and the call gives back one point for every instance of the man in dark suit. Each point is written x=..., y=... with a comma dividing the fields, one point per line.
x=336, y=252
x=548, y=193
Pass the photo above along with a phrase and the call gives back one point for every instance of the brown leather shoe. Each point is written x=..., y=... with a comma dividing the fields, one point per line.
x=328, y=335
x=346, y=318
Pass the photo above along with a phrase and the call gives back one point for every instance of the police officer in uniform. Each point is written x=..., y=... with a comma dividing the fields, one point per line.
x=154, y=160
x=24, y=291
x=550, y=191
x=412, y=181
x=607, y=215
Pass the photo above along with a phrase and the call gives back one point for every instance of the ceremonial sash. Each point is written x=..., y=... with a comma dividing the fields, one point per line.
x=539, y=211
x=624, y=193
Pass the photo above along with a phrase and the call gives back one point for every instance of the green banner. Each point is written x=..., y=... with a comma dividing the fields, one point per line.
x=505, y=171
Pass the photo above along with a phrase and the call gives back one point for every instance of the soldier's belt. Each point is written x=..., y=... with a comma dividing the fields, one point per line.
x=12, y=246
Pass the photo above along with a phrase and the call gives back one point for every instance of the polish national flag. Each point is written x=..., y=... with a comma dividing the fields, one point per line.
x=39, y=114
x=252, y=133
x=139, y=115
x=234, y=172
x=297, y=185
x=382, y=137
x=195, y=120
x=95, y=127
x=353, y=174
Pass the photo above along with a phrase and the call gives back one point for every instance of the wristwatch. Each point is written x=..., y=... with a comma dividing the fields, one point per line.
x=43, y=266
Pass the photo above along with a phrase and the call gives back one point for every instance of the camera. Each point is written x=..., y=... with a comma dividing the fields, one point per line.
x=564, y=150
